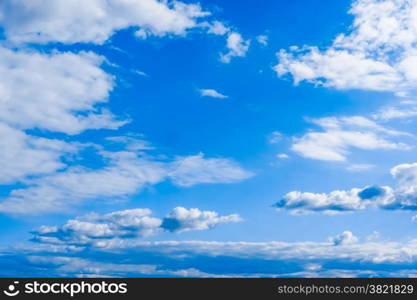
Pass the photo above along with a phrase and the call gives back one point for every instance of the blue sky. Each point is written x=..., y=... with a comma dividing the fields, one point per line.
x=205, y=139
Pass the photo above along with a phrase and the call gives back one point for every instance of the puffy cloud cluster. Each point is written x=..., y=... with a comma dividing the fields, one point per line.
x=53, y=92
x=345, y=238
x=340, y=134
x=333, y=202
x=97, y=230
x=377, y=54
x=402, y=197
x=181, y=219
x=95, y=21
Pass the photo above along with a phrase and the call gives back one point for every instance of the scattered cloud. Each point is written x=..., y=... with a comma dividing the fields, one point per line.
x=262, y=39
x=378, y=53
x=217, y=28
x=345, y=238
x=195, y=169
x=212, y=93
x=237, y=47
x=275, y=137
x=359, y=167
x=283, y=156
x=340, y=134
x=181, y=219
x=140, y=73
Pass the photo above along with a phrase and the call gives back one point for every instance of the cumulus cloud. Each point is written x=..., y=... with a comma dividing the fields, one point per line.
x=345, y=238
x=340, y=134
x=401, y=197
x=377, y=54
x=57, y=92
x=95, y=21
x=212, y=93
x=333, y=202
x=237, y=47
x=182, y=219
x=94, y=229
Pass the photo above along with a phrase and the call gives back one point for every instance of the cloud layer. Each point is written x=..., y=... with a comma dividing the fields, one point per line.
x=343, y=255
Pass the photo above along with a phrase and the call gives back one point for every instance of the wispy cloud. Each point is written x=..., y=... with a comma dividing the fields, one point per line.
x=340, y=134
x=212, y=93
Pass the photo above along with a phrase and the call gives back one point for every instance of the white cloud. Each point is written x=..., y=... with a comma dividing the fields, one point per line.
x=402, y=110
x=339, y=135
x=262, y=39
x=359, y=167
x=181, y=219
x=217, y=28
x=283, y=156
x=125, y=174
x=94, y=21
x=212, y=93
x=345, y=238
x=343, y=255
x=94, y=229
x=57, y=91
x=140, y=73
x=378, y=53
x=24, y=155
x=402, y=197
x=237, y=47
x=405, y=176
x=333, y=202
x=82, y=268
x=352, y=251
x=190, y=170
x=275, y=137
